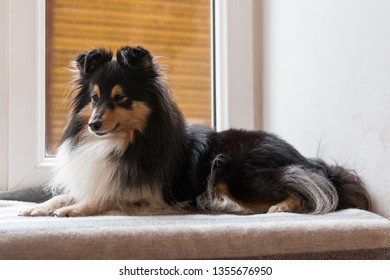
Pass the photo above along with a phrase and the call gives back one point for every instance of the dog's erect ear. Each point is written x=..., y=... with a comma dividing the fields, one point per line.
x=89, y=61
x=137, y=57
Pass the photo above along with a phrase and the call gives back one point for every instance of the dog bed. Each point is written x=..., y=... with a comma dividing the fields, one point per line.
x=346, y=234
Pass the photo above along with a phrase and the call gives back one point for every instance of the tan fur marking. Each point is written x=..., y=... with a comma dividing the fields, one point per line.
x=134, y=119
x=96, y=90
x=222, y=189
x=109, y=120
x=117, y=90
x=254, y=207
x=86, y=113
x=290, y=204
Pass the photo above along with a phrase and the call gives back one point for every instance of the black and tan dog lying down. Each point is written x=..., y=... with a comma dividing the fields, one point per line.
x=127, y=148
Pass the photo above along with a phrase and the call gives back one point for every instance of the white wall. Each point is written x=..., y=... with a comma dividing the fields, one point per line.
x=327, y=83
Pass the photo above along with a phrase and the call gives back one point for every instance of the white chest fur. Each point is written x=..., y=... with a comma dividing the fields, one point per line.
x=89, y=173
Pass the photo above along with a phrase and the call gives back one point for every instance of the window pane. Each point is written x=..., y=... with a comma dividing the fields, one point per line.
x=178, y=31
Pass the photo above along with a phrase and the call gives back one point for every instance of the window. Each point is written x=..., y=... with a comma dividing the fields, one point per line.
x=23, y=159
x=176, y=31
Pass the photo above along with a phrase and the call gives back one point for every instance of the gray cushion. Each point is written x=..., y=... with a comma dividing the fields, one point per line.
x=346, y=234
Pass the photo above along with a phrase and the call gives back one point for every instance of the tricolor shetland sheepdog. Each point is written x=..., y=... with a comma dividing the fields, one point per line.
x=127, y=148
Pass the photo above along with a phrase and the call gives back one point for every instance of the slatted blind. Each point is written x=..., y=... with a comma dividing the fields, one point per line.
x=178, y=31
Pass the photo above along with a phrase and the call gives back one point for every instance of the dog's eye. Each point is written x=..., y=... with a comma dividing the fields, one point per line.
x=95, y=98
x=118, y=98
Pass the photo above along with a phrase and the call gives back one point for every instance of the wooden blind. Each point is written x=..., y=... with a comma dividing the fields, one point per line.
x=178, y=31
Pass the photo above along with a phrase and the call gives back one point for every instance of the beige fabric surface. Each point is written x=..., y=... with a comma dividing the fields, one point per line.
x=346, y=234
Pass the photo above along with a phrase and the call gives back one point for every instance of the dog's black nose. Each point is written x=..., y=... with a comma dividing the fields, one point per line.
x=95, y=126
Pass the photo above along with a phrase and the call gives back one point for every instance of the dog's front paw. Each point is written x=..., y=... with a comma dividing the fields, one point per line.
x=37, y=212
x=49, y=207
x=85, y=209
x=67, y=212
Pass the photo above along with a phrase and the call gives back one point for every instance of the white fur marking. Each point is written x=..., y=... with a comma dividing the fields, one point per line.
x=89, y=174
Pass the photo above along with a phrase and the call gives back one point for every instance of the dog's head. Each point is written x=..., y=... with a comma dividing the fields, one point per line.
x=113, y=98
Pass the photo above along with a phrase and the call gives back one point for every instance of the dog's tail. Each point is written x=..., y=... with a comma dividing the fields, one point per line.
x=350, y=188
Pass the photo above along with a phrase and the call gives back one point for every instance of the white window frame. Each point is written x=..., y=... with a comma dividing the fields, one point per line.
x=23, y=162
x=238, y=64
x=3, y=95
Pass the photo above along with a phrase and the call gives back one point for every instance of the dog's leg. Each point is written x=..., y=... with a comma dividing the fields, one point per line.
x=49, y=207
x=290, y=204
x=86, y=209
